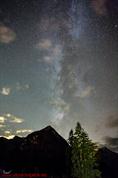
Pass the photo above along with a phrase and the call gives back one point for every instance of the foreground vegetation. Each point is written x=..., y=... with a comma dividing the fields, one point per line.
x=82, y=160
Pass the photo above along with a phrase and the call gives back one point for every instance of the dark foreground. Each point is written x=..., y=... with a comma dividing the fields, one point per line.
x=44, y=154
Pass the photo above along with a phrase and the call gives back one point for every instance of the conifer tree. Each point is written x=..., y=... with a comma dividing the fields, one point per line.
x=82, y=154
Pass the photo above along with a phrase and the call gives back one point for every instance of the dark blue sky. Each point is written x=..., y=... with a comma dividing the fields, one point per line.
x=59, y=65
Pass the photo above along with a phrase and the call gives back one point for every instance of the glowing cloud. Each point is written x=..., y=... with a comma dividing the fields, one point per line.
x=9, y=136
x=5, y=91
x=23, y=131
x=8, y=115
x=60, y=116
x=9, y=118
x=2, y=119
x=7, y=132
x=18, y=87
x=7, y=35
x=15, y=120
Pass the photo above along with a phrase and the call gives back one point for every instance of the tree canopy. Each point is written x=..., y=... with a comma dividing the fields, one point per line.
x=82, y=154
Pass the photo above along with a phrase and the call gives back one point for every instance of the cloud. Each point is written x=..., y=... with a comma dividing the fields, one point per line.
x=7, y=35
x=7, y=132
x=60, y=104
x=1, y=125
x=112, y=121
x=52, y=51
x=5, y=91
x=9, y=136
x=8, y=123
x=54, y=54
x=44, y=44
x=85, y=92
x=112, y=142
x=10, y=118
x=2, y=119
x=13, y=119
x=99, y=7
x=22, y=87
x=23, y=131
x=8, y=115
x=48, y=59
x=59, y=116
x=16, y=120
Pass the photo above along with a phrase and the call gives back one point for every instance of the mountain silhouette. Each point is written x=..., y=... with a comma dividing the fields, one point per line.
x=42, y=151
x=108, y=163
x=45, y=151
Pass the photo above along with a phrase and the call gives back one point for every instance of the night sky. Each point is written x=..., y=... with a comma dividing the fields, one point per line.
x=59, y=65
